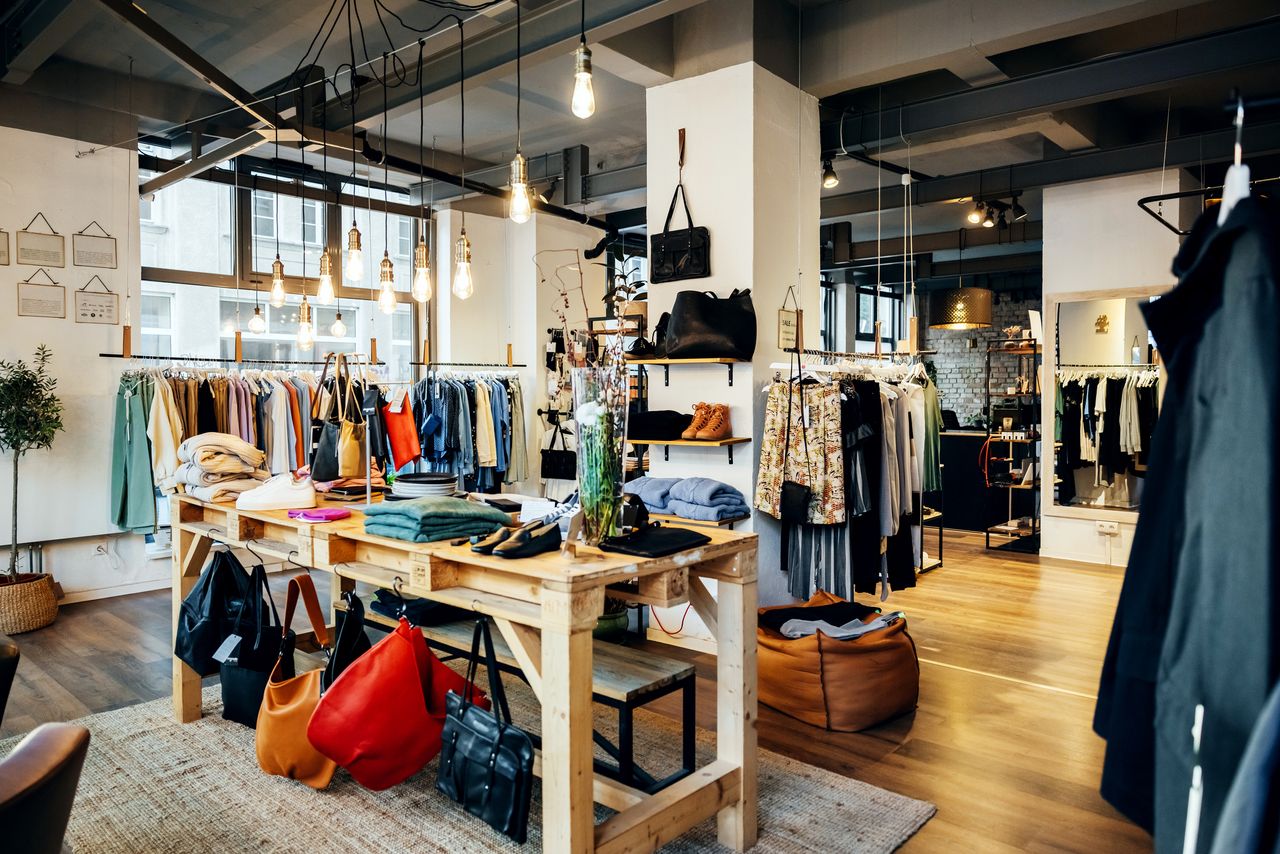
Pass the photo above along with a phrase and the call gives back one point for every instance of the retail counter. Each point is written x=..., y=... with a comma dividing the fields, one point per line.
x=970, y=505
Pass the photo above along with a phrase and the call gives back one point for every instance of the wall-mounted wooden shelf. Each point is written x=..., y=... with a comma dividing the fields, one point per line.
x=702, y=523
x=667, y=363
x=693, y=443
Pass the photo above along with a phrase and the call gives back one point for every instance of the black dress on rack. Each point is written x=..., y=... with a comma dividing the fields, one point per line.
x=864, y=530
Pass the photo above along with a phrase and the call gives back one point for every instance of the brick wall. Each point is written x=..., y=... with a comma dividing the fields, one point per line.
x=961, y=369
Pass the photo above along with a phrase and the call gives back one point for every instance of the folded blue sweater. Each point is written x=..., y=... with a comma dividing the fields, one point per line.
x=653, y=491
x=704, y=513
x=707, y=492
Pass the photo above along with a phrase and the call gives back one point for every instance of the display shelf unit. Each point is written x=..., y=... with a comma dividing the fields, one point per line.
x=667, y=363
x=1019, y=453
x=670, y=519
x=694, y=443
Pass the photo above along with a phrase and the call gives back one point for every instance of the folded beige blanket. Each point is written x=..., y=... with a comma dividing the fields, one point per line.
x=227, y=490
x=192, y=475
x=221, y=452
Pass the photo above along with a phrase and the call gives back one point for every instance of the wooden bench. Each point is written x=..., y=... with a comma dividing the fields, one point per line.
x=621, y=678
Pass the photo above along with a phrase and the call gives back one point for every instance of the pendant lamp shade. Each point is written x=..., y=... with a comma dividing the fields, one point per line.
x=960, y=308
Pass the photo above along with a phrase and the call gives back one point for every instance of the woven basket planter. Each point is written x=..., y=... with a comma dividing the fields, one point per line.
x=28, y=604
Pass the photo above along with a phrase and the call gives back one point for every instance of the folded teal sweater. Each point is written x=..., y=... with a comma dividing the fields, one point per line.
x=433, y=526
x=434, y=510
x=430, y=535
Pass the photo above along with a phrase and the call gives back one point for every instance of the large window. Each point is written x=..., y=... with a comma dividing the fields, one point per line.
x=157, y=324
x=187, y=226
x=404, y=242
x=264, y=214
x=312, y=222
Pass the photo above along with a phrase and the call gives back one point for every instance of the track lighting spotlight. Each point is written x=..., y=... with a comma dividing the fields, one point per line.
x=1000, y=221
x=829, y=177
x=987, y=221
x=1018, y=212
x=975, y=215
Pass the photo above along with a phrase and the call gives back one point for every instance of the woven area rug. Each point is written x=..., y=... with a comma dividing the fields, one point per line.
x=151, y=784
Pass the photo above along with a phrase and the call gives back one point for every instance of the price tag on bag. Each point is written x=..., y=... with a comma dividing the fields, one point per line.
x=228, y=649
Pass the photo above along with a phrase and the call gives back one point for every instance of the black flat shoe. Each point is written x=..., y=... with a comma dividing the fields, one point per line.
x=527, y=543
x=486, y=545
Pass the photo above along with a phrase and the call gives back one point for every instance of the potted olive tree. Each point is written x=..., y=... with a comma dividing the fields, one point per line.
x=30, y=416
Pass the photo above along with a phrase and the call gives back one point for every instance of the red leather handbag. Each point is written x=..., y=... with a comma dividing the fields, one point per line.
x=402, y=433
x=382, y=718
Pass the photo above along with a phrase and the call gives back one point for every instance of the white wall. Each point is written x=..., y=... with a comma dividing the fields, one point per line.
x=1096, y=238
x=748, y=184
x=64, y=491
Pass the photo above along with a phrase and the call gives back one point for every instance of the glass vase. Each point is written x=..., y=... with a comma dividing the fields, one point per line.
x=600, y=412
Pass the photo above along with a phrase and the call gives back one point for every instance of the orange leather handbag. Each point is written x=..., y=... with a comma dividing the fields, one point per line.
x=382, y=718
x=402, y=433
x=281, y=738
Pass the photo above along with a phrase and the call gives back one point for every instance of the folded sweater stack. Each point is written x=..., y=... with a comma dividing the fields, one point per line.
x=699, y=498
x=427, y=520
x=218, y=467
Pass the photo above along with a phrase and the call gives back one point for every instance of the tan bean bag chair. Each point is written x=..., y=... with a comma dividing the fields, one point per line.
x=843, y=685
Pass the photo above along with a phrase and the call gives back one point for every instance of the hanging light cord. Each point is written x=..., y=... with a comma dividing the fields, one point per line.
x=275, y=106
x=386, y=174
x=519, y=85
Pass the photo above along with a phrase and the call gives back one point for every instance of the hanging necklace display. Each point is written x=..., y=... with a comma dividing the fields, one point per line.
x=97, y=306
x=41, y=248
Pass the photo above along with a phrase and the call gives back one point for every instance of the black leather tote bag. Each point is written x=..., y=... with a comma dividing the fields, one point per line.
x=350, y=643
x=244, y=673
x=654, y=540
x=559, y=463
x=661, y=425
x=704, y=326
x=209, y=612
x=681, y=254
x=486, y=762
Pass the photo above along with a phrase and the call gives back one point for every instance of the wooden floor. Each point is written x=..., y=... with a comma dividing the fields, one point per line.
x=1010, y=650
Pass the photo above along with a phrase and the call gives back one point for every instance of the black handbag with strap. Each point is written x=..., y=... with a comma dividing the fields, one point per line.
x=684, y=253
x=559, y=463
x=247, y=667
x=350, y=641
x=654, y=540
x=705, y=326
x=486, y=761
x=209, y=613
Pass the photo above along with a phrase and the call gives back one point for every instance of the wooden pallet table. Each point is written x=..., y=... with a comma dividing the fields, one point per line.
x=545, y=608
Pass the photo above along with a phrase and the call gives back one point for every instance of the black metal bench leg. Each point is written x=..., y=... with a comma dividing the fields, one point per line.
x=690, y=724
x=626, y=747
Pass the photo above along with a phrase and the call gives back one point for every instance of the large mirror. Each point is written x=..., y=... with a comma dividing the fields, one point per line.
x=1103, y=399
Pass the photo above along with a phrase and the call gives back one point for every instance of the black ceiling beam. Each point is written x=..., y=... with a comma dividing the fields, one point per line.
x=942, y=241
x=1182, y=151
x=1091, y=82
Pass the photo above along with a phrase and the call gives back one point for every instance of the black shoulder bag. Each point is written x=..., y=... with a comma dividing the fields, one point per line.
x=486, y=762
x=247, y=667
x=559, y=463
x=349, y=643
x=684, y=253
x=793, y=502
x=211, y=612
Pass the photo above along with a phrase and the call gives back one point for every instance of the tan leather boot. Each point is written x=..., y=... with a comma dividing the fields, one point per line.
x=717, y=426
x=701, y=412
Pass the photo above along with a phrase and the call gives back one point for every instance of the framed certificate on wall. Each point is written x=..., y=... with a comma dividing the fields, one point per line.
x=91, y=250
x=97, y=306
x=4, y=248
x=40, y=300
x=37, y=249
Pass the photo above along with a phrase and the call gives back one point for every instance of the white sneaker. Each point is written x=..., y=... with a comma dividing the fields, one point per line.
x=281, y=492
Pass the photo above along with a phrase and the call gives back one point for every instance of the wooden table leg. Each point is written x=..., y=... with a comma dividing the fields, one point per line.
x=189, y=553
x=568, y=806
x=736, y=699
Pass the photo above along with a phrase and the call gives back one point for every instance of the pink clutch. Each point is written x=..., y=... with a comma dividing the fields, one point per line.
x=320, y=514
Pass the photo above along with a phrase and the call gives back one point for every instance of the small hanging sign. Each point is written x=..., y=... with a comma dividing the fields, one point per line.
x=93, y=250
x=39, y=248
x=97, y=306
x=4, y=248
x=788, y=328
x=36, y=299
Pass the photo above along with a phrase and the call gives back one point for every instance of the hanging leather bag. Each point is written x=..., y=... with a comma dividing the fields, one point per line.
x=324, y=414
x=245, y=671
x=382, y=719
x=350, y=643
x=289, y=700
x=704, y=326
x=351, y=425
x=486, y=761
x=559, y=463
x=209, y=613
x=684, y=253
x=402, y=433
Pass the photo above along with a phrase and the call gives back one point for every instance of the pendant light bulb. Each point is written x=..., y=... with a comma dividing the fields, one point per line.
x=338, y=329
x=975, y=215
x=387, y=300
x=257, y=323
x=229, y=327
x=420, y=288
x=355, y=256
x=463, y=287
x=830, y=179
x=584, y=96
x=277, y=282
x=521, y=207
x=324, y=293
x=306, y=329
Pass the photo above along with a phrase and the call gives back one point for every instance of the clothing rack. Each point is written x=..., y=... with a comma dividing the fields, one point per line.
x=195, y=359
x=1143, y=365
x=489, y=365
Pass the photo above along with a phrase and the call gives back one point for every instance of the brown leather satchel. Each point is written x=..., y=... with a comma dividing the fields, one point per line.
x=281, y=740
x=841, y=685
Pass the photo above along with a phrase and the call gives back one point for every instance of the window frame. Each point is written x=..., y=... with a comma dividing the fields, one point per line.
x=275, y=211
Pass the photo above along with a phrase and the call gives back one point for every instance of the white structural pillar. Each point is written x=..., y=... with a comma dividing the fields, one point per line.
x=752, y=175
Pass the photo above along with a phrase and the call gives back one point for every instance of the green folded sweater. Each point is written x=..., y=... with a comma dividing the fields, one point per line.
x=435, y=509
x=414, y=534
